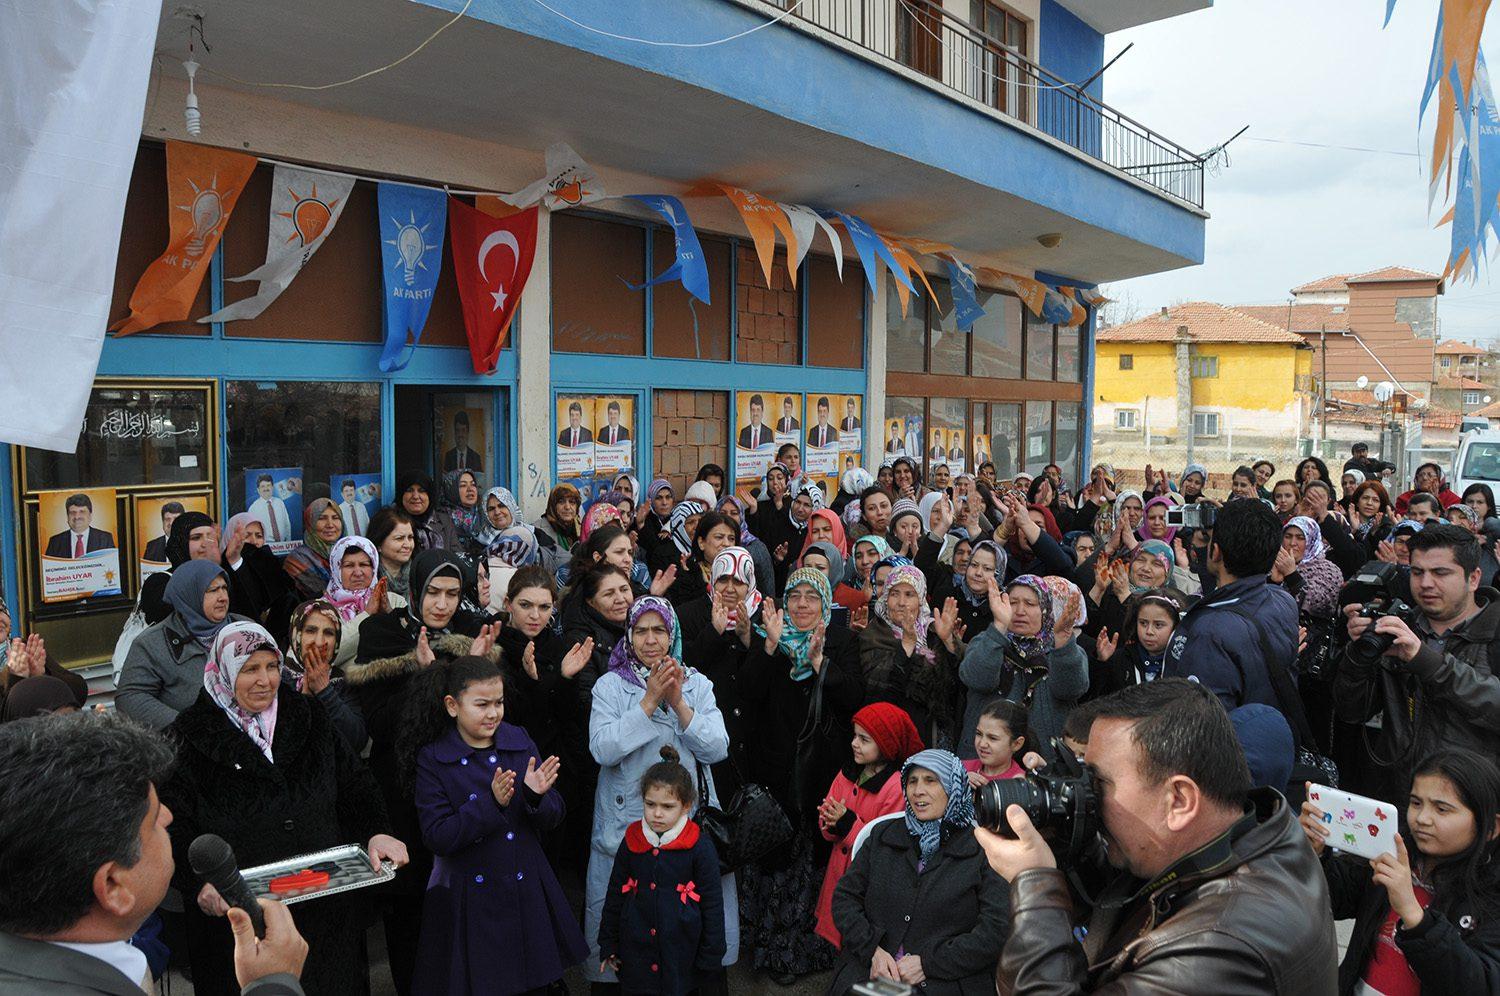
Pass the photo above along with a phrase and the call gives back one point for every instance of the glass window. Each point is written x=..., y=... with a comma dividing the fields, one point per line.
x=835, y=313
x=947, y=440
x=1038, y=436
x=1067, y=453
x=1127, y=361
x=1039, y=351
x=682, y=326
x=1205, y=423
x=904, y=347
x=1204, y=366
x=1005, y=434
x=950, y=347
x=1067, y=355
x=904, y=429
x=593, y=311
x=132, y=436
x=997, y=336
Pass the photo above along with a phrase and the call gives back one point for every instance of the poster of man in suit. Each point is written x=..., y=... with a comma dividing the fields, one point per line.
x=154, y=518
x=77, y=530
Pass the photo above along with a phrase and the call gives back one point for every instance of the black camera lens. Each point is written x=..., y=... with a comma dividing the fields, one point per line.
x=993, y=798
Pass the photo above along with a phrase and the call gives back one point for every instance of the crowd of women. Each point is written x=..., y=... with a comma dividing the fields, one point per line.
x=508, y=710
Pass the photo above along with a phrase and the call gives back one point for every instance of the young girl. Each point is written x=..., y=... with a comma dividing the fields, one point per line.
x=483, y=799
x=999, y=739
x=884, y=737
x=1428, y=919
x=1151, y=616
x=663, y=924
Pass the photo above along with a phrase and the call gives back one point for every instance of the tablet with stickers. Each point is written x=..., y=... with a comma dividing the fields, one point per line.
x=1356, y=825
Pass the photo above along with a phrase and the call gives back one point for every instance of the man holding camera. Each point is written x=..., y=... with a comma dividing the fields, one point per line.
x=1432, y=678
x=1217, y=893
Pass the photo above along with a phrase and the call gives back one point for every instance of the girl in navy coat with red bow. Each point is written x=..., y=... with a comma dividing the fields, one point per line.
x=495, y=921
x=663, y=924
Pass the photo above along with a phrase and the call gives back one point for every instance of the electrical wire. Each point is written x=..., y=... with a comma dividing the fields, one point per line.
x=669, y=44
x=1321, y=145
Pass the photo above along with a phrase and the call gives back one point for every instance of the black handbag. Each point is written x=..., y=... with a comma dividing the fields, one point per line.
x=1309, y=765
x=751, y=827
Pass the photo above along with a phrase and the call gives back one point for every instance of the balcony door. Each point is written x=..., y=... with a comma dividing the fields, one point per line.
x=919, y=36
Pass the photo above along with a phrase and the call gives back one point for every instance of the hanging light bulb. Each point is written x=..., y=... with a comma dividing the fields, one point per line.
x=191, y=115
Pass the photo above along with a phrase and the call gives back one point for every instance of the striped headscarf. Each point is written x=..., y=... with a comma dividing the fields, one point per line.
x=1039, y=644
x=677, y=524
x=959, y=815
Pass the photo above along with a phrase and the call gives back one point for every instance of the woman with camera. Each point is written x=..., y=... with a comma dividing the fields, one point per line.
x=920, y=904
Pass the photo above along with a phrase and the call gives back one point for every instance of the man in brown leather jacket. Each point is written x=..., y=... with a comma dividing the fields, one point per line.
x=1220, y=892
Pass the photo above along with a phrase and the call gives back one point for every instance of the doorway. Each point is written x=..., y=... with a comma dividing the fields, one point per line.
x=443, y=427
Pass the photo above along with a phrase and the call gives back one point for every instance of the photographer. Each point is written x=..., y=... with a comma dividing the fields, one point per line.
x=1231, y=638
x=79, y=812
x=1219, y=893
x=1433, y=678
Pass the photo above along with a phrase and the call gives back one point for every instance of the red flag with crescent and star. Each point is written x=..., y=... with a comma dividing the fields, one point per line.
x=491, y=260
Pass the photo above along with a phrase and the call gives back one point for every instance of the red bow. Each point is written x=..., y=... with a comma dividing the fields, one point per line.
x=628, y=887
x=686, y=892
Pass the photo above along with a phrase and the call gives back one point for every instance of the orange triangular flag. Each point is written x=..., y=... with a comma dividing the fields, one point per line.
x=764, y=218
x=203, y=185
x=910, y=265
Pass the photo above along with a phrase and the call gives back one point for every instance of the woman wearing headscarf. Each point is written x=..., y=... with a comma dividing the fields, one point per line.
x=647, y=700
x=307, y=565
x=787, y=532
x=164, y=668
x=459, y=517
x=806, y=682
x=824, y=556
x=682, y=525
x=768, y=504
x=1303, y=568
x=1350, y=481
x=317, y=630
x=558, y=527
x=920, y=899
x=416, y=496
x=1032, y=541
x=734, y=507
x=651, y=515
x=713, y=534
x=393, y=647
x=852, y=484
x=1027, y=655
x=908, y=655
x=256, y=580
x=261, y=766
x=500, y=512
x=356, y=591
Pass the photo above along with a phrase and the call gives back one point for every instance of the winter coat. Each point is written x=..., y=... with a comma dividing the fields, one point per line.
x=625, y=742
x=943, y=584
x=664, y=913
x=954, y=914
x=724, y=660
x=1219, y=641
x=163, y=673
x=316, y=794
x=926, y=689
x=580, y=621
x=989, y=672
x=878, y=796
x=491, y=888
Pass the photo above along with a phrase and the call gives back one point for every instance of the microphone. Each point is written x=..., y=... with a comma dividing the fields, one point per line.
x=213, y=862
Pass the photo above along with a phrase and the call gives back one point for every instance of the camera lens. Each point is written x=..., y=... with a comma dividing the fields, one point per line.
x=992, y=799
x=1371, y=646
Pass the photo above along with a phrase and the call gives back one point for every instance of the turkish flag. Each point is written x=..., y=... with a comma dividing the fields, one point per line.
x=491, y=260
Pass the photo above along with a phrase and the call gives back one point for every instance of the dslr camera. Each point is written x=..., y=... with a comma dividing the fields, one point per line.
x=1061, y=800
x=1195, y=516
x=1376, y=587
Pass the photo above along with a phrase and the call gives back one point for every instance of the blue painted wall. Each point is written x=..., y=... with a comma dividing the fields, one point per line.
x=1070, y=48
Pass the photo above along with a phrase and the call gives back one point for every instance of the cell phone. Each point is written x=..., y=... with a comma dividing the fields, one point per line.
x=1356, y=824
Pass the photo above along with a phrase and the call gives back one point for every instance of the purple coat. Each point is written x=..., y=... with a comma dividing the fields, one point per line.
x=495, y=920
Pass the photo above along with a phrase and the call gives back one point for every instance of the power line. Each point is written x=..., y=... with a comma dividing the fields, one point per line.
x=1322, y=145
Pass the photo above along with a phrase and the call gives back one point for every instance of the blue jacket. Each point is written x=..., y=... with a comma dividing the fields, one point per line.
x=1219, y=641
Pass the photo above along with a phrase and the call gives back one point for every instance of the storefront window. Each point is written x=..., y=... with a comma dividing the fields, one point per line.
x=997, y=337
x=1038, y=436
x=1005, y=438
x=132, y=436
x=1068, y=354
x=1067, y=454
x=1039, y=351
x=950, y=347
x=904, y=429
x=947, y=441
x=682, y=326
x=904, y=336
x=593, y=311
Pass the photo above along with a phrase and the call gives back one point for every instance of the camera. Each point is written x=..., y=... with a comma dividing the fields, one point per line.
x=1061, y=801
x=1195, y=516
x=1377, y=588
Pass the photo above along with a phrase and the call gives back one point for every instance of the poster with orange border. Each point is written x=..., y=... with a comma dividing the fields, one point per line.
x=154, y=518
x=76, y=539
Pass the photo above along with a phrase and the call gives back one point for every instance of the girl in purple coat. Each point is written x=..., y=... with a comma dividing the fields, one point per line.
x=495, y=921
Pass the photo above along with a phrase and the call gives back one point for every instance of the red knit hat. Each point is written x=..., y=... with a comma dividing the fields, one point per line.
x=891, y=728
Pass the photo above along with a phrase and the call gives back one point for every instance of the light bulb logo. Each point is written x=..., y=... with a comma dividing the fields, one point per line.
x=309, y=215
x=411, y=245
x=207, y=212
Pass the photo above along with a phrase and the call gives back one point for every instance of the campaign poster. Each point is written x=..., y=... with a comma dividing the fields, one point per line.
x=575, y=437
x=956, y=451
x=76, y=533
x=614, y=435
x=822, y=454
x=154, y=518
x=981, y=450
x=937, y=449
x=358, y=498
x=754, y=440
x=895, y=439
x=273, y=497
x=851, y=423
x=461, y=431
x=914, y=437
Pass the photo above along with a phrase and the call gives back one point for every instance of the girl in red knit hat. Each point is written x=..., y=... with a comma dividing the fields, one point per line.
x=869, y=786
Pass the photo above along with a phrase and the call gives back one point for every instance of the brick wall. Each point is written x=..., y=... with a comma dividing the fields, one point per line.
x=690, y=428
x=767, y=315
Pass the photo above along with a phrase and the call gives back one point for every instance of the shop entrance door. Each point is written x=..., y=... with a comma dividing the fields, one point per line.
x=443, y=427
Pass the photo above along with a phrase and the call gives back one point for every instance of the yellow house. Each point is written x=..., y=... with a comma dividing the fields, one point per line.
x=1200, y=383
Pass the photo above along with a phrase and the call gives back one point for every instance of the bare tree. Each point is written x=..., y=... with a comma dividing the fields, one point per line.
x=1123, y=305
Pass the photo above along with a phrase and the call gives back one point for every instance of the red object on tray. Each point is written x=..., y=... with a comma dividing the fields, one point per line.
x=301, y=881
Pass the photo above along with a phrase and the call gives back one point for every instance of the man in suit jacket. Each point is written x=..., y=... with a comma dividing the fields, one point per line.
x=270, y=511
x=65, y=926
x=822, y=435
x=460, y=457
x=851, y=421
x=356, y=517
x=787, y=423
x=939, y=452
x=156, y=550
x=613, y=432
x=756, y=434
x=80, y=537
x=576, y=434
x=897, y=442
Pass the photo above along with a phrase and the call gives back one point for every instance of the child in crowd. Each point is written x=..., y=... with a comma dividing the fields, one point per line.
x=999, y=739
x=483, y=796
x=1075, y=732
x=662, y=929
x=1151, y=617
x=870, y=786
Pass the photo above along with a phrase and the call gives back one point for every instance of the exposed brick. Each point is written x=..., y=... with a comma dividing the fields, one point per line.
x=668, y=405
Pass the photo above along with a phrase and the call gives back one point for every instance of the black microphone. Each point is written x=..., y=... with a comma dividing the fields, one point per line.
x=213, y=861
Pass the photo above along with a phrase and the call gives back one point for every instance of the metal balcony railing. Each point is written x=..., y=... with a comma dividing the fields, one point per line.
x=921, y=35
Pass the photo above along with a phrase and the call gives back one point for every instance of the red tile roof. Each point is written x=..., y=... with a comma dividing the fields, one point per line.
x=1353, y=397
x=1205, y=321
x=1455, y=348
x=1441, y=418
x=1388, y=274
x=1488, y=411
x=1304, y=317
x=1336, y=282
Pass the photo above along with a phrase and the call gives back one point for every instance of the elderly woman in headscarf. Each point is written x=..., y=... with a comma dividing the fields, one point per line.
x=501, y=511
x=357, y=591
x=256, y=759
x=416, y=496
x=807, y=685
x=256, y=579
x=908, y=655
x=164, y=668
x=316, y=636
x=307, y=565
x=647, y=700
x=1302, y=567
x=1029, y=656
x=923, y=880
x=734, y=507
x=1350, y=482
x=1429, y=480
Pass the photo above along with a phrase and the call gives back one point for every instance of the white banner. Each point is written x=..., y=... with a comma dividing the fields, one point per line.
x=74, y=77
x=305, y=205
x=570, y=182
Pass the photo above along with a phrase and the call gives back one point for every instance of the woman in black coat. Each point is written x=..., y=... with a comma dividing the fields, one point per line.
x=909, y=656
x=947, y=921
x=274, y=783
x=257, y=583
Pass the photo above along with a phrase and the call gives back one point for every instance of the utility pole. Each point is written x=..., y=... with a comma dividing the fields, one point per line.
x=1323, y=386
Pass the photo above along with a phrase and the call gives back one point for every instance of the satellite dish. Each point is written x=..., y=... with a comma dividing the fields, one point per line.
x=1486, y=399
x=1363, y=382
x=1420, y=404
x=1384, y=391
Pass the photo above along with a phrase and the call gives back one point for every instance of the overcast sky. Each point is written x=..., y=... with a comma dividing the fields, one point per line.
x=1318, y=71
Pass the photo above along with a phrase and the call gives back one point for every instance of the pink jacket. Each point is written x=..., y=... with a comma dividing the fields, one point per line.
x=879, y=796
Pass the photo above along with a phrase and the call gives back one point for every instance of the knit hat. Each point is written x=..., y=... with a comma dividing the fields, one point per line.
x=891, y=728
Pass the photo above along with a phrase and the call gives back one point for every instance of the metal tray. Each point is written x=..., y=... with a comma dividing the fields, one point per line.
x=353, y=873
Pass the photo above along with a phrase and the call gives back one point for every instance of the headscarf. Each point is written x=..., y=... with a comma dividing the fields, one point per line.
x=487, y=533
x=1161, y=551
x=1120, y=496
x=736, y=562
x=426, y=535
x=1002, y=562
x=677, y=524
x=855, y=480
x=1316, y=545
x=623, y=660
x=814, y=494
x=654, y=488
x=891, y=728
x=425, y=566
x=635, y=487
x=600, y=513
x=1193, y=468
x=1049, y=521
x=882, y=550
x=232, y=649
x=765, y=480
x=1067, y=599
x=465, y=518
x=701, y=492
x=797, y=643
x=516, y=546
x=1321, y=578
x=840, y=541
x=39, y=695
x=310, y=536
x=182, y=529
x=914, y=577
x=959, y=815
x=184, y=592
x=831, y=553
x=1462, y=508
x=926, y=505
x=746, y=536
x=293, y=663
x=1358, y=475
x=350, y=602
x=236, y=521
x=1039, y=645
x=1145, y=531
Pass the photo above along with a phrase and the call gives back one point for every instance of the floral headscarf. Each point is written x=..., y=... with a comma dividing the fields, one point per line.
x=958, y=817
x=797, y=643
x=516, y=546
x=677, y=524
x=882, y=550
x=1067, y=600
x=736, y=562
x=914, y=577
x=623, y=660
x=1321, y=578
x=1161, y=551
x=600, y=513
x=1144, y=532
x=746, y=536
x=350, y=602
x=487, y=533
x=291, y=666
x=855, y=480
x=1039, y=645
x=465, y=517
x=231, y=650
x=1316, y=545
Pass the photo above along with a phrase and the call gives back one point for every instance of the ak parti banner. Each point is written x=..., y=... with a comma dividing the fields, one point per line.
x=203, y=185
x=490, y=282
